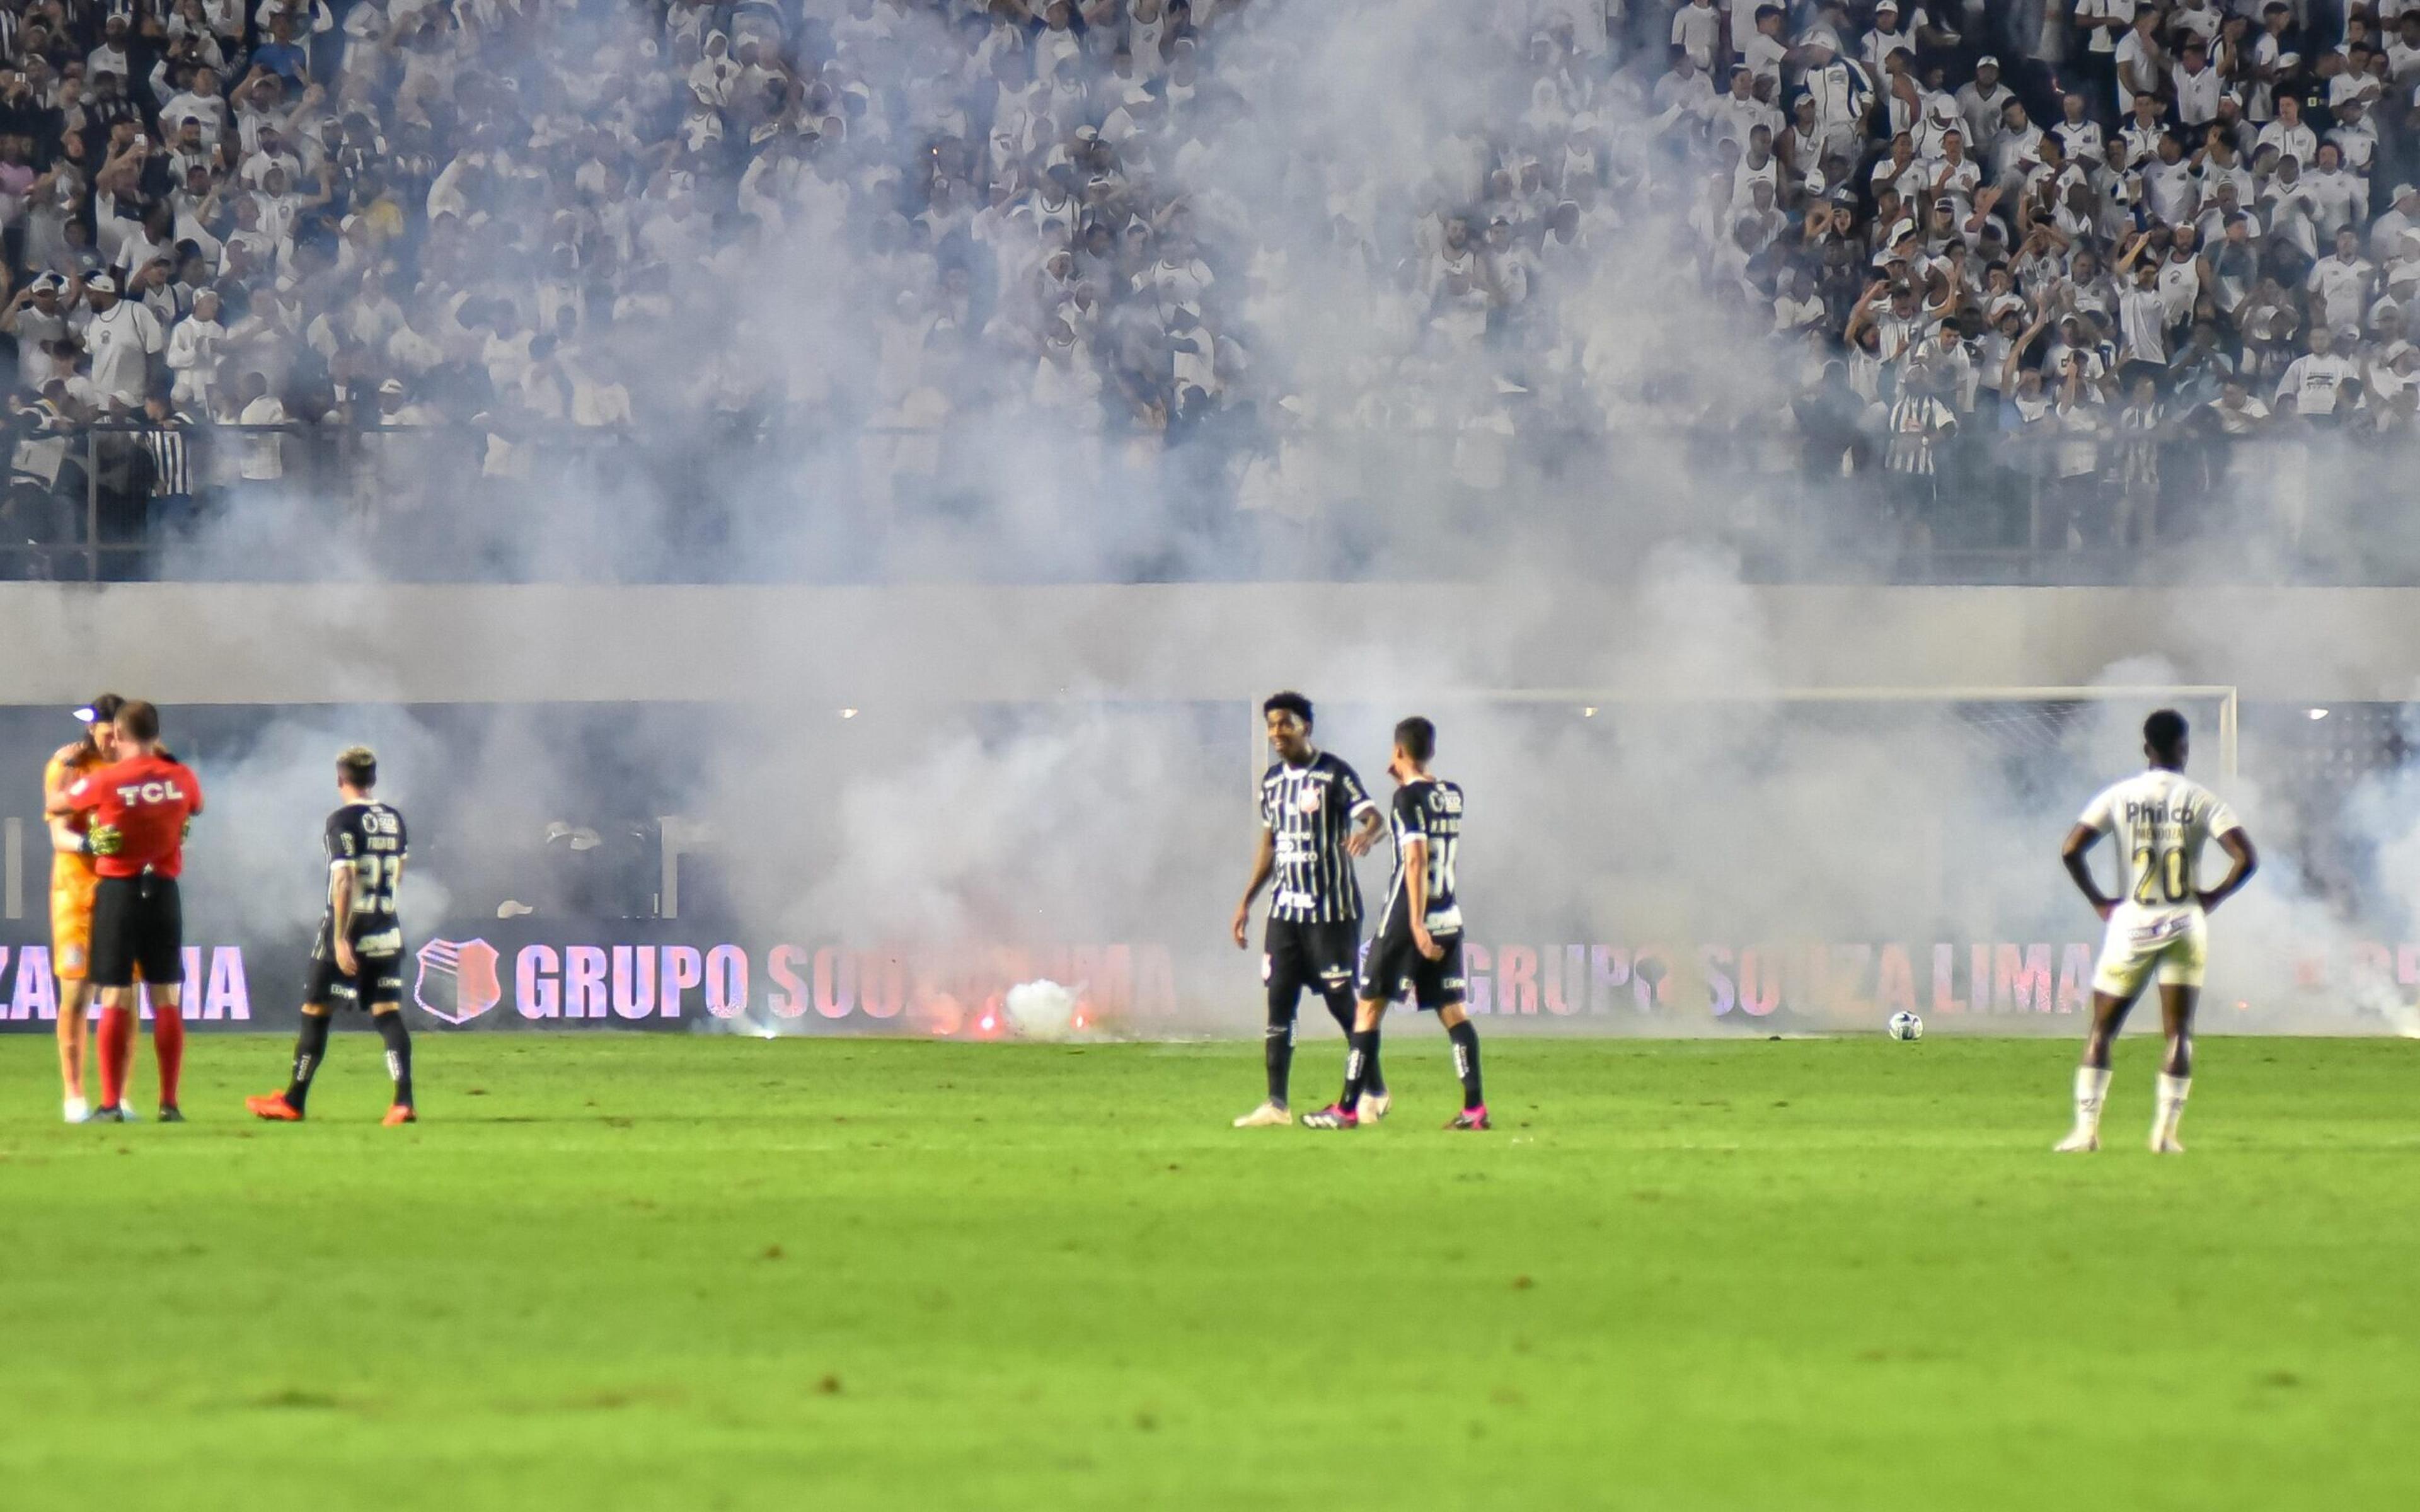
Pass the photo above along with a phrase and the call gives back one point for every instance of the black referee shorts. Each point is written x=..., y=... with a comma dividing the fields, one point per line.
x=1295, y=955
x=138, y=924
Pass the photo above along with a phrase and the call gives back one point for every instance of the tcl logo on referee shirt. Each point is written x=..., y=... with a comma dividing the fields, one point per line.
x=136, y=792
x=139, y=808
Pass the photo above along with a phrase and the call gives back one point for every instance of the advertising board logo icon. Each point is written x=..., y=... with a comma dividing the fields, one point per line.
x=458, y=979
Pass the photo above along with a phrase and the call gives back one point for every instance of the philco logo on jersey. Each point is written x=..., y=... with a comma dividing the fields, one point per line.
x=134, y=792
x=458, y=979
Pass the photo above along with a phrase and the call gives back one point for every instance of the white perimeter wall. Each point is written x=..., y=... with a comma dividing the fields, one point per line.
x=274, y=644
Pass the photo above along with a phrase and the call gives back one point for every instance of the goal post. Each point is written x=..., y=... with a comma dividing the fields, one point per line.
x=1794, y=859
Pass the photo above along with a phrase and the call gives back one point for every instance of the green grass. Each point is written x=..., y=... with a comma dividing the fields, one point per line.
x=693, y=1274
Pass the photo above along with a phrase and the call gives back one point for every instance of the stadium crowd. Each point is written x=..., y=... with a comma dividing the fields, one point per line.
x=1995, y=272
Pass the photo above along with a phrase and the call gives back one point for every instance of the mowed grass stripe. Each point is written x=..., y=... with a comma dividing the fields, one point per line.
x=652, y=1272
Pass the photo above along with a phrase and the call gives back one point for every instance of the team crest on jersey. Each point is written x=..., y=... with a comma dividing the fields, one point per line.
x=458, y=979
x=1310, y=800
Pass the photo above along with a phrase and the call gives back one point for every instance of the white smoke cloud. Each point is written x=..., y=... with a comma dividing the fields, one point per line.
x=1667, y=815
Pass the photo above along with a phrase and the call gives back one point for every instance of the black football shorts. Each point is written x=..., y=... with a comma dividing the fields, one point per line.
x=1395, y=968
x=377, y=983
x=1295, y=955
x=138, y=924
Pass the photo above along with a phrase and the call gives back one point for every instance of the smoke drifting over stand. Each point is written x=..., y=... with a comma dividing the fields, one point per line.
x=1270, y=362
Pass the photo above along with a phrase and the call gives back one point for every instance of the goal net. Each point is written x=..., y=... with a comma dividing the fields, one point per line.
x=1806, y=858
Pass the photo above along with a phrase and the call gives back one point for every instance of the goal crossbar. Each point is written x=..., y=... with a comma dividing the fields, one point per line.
x=2226, y=697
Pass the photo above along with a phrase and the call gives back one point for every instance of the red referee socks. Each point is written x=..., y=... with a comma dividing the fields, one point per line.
x=116, y=1042
x=168, y=1044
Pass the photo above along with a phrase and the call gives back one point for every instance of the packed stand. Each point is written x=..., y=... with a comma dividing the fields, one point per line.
x=2140, y=273
x=1981, y=275
x=406, y=254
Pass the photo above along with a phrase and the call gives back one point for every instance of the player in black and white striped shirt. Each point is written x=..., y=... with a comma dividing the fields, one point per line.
x=1316, y=819
x=1416, y=952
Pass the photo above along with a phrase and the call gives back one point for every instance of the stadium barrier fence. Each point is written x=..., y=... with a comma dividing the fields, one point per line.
x=458, y=502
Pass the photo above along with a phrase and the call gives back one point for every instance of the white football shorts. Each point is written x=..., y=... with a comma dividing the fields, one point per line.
x=2168, y=945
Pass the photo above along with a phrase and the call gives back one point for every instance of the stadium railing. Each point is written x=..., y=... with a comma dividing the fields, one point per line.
x=449, y=501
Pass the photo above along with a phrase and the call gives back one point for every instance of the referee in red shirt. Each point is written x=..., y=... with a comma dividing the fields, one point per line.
x=138, y=809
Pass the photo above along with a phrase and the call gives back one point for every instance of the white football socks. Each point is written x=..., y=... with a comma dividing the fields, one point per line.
x=2091, y=1091
x=2172, y=1108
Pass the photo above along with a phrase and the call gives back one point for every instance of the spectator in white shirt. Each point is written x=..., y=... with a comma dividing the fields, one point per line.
x=2288, y=134
x=264, y=449
x=1984, y=104
x=1739, y=112
x=2199, y=84
x=2142, y=315
x=2402, y=214
x=2184, y=276
x=1953, y=173
x=2142, y=62
x=2311, y=383
x=2287, y=202
x=2403, y=49
x=202, y=100
x=2197, y=18
x=2077, y=131
x=2356, y=143
x=2142, y=131
x=2018, y=151
x=123, y=336
x=2102, y=22
x=1757, y=166
x=2169, y=190
x=2340, y=283
x=1887, y=37
x=1696, y=29
x=2269, y=60
x=2337, y=198
x=1685, y=91
x=1844, y=95
x=1901, y=170
x=1762, y=49
x=192, y=352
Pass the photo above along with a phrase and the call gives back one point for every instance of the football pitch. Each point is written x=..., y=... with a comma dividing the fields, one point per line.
x=701, y=1272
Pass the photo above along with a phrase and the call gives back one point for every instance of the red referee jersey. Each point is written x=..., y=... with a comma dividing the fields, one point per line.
x=139, y=808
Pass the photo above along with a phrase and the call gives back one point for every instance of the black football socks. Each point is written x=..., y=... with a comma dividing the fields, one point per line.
x=310, y=1048
x=1357, y=1062
x=1340, y=1006
x=1464, y=1035
x=398, y=1055
x=1277, y=1052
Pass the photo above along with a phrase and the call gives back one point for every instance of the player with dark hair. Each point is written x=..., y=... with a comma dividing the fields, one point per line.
x=357, y=958
x=1316, y=818
x=1418, y=947
x=2159, y=926
x=72, y=884
x=137, y=811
